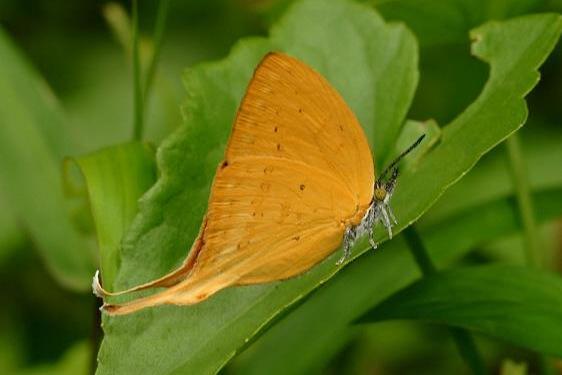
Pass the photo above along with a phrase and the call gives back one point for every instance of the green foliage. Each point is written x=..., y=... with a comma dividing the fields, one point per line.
x=31, y=149
x=315, y=337
x=442, y=22
x=116, y=178
x=188, y=159
x=170, y=214
x=465, y=218
x=146, y=209
x=501, y=301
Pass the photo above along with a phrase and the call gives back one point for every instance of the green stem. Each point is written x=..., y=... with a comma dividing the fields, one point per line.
x=419, y=252
x=137, y=88
x=464, y=342
x=524, y=201
x=527, y=214
x=159, y=28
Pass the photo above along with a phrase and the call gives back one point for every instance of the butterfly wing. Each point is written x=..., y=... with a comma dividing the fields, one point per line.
x=297, y=172
x=273, y=218
x=291, y=112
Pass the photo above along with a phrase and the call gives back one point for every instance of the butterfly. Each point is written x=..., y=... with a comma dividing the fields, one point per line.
x=297, y=179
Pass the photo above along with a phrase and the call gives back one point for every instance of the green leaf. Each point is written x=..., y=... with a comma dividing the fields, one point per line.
x=515, y=304
x=33, y=140
x=202, y=338
x=441, y=22
x=306, y=338
x=514, y=50
x=188, y=159
x=450, y=78
x=172, y=211
x=410, y=132
x=116, y=177
x=465, y=217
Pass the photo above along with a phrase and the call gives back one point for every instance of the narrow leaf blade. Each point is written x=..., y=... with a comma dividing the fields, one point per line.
x=519, y=305
x=33, y=139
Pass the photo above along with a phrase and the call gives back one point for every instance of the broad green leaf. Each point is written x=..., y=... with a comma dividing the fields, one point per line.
x=440, y=22
x=116, y=177
x=512, y=303
x=291, y=348
x=42, y=106
x=32, y=142
x=514, y=50
x=411, y=131
x=306, y=338
x=450, y=79
x=171, y=218
x=202, y=338
x=171, y=213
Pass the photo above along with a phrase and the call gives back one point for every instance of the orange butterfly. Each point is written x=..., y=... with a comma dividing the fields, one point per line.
x=298, y=176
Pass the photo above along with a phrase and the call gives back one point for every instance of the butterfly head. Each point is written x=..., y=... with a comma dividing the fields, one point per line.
x=384, y=187
x=379, y=193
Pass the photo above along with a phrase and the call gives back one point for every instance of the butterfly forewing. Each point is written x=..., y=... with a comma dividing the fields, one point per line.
x=292, y=112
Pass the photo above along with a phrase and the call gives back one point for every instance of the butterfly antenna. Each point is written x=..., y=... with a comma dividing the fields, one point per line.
x=399, y=157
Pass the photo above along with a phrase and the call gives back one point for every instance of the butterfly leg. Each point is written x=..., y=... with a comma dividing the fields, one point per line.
x=348, y=239
x=372, y=238
x=386, y=221
x=374, y=217
x=390, y=213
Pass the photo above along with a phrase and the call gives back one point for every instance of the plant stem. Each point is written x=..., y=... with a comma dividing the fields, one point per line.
x=137, y=88
x=159, y=28
x=468, y=350
x=524, y=200
x=419, y=252
x=464, y=342
x=527, y=214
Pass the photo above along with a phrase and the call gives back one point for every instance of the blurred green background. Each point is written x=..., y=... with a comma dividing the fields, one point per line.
x=45, y=328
